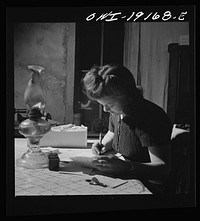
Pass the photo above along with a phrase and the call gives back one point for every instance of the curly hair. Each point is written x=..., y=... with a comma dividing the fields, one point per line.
x=111, y=80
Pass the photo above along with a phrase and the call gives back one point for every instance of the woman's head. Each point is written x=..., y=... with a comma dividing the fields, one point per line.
x=111, y=84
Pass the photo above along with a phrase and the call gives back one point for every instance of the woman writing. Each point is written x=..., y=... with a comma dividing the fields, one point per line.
x=138, y=129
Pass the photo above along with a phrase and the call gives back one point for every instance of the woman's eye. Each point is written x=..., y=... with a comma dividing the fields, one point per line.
x=108, y=106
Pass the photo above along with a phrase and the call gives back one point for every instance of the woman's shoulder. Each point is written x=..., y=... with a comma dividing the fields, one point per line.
x=156, y=120
x=150, y=105
x=149, y=116
x=152, y=110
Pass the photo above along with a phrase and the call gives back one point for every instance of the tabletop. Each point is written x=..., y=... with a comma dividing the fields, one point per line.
x=71, y=181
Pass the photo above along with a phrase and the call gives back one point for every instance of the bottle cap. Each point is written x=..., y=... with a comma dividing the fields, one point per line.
x=53, y=155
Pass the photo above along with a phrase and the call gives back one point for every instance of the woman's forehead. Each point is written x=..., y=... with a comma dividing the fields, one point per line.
x=108, y=99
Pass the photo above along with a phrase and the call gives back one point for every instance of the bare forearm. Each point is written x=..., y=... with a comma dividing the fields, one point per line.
x=107, y=140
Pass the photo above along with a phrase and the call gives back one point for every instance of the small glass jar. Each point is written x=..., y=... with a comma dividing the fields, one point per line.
x=53, y=161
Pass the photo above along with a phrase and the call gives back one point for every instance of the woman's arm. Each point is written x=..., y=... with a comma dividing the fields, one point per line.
x=158, y=168
x=106, y=142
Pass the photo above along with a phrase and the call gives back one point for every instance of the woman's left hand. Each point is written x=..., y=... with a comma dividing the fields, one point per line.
x=111, y=165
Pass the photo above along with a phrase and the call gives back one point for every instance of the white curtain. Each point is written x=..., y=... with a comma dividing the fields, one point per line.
x=146, y=55
x=131, y=47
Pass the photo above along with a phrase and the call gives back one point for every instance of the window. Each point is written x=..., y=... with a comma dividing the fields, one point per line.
x=96, y=44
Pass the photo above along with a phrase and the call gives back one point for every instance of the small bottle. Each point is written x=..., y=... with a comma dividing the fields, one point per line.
x=53, y=162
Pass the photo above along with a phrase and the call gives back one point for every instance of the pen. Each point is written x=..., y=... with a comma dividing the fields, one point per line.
x=100, y=143
x=71, y=173
x=100, y=138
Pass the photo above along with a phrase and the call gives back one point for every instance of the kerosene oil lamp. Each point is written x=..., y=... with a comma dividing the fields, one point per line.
x=35, y=127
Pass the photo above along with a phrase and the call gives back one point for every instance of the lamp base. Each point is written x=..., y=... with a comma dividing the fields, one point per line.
x=33, y=160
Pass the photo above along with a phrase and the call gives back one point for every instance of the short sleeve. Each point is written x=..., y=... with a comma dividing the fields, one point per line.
x=159, y=136
x=152, y=124
x=145, y=138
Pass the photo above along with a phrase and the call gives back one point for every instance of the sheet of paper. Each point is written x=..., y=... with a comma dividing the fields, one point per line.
x=78, y=161
x=84, y=161
x=74, y=168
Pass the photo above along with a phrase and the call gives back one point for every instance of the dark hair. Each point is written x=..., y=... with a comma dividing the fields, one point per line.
x=109, y=80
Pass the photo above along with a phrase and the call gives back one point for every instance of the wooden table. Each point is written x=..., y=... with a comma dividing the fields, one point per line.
x=45, y=182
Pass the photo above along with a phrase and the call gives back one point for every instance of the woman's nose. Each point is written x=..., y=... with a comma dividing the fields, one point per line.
x=106, y=108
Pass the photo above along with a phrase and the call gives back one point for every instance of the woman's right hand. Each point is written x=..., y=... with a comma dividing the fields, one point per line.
x=98, y=148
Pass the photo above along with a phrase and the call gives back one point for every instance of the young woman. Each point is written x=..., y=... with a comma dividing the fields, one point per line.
x=138, y=129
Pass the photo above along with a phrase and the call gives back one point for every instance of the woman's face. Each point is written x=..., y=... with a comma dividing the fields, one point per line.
x=112, y=104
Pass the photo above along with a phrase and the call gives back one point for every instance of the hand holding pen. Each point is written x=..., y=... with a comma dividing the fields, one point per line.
x=98, y=148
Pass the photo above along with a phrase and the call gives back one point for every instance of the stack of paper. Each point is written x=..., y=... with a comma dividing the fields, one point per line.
x=66, y=136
